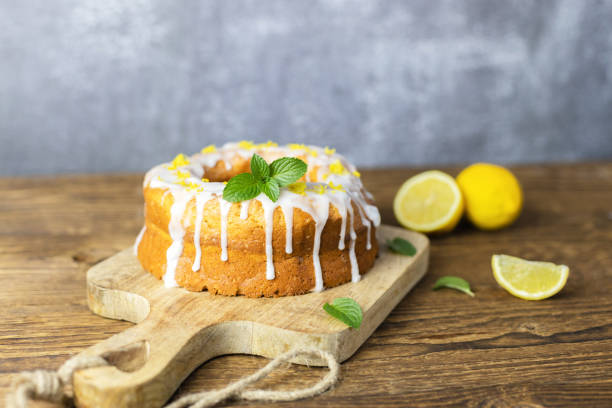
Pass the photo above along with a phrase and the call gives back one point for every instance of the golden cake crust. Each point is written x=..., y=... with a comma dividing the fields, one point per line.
x=244, y=271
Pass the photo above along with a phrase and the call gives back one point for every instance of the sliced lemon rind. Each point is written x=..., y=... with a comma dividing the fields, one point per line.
x=499, y=277
x=442, y=223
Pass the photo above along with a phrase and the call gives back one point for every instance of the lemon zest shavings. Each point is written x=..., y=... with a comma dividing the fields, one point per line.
x=269, y=143
x=336, y=187
x=337, y=168
x=179, y=161
x=182, y=175
x=319, y=189
x=194, y=186
x=295, y=146
x=246, y=144
x=298, y=187
x=329, y=151
x=209, y=149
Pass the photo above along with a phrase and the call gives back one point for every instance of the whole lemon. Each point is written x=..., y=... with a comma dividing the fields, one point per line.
x=493, y=196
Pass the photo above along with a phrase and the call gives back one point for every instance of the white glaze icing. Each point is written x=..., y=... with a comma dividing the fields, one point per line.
x=224, y=210
x=244, y=209
x=355, y=276
x=321, y=213
x=268, y=209
x=288, y=215
x=177, y=232
x=349, y=190
x=201, y=199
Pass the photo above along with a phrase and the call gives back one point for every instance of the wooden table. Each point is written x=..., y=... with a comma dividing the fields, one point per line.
x=435, y=349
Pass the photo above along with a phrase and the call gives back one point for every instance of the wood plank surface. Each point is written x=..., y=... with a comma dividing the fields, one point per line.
x=178, y=330
x=435, y=349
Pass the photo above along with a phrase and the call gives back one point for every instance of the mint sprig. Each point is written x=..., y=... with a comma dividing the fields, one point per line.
x=264, y=178
x=346, y=310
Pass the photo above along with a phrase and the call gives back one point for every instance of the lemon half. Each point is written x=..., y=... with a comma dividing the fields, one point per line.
x=429, y=202
x=530, y=280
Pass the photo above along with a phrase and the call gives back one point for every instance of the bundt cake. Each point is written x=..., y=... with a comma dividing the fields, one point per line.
x=320, y=232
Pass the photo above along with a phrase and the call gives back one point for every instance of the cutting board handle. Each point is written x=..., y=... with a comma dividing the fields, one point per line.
x=148, y=363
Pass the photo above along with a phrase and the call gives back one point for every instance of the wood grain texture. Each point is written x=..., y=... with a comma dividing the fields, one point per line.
x=178, y=330
x=435, y=349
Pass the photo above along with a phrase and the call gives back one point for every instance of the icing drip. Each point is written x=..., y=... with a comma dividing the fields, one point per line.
x=365, y=221
x=200, y=201
x=288, y=214
x=244, y=209
x=177, y=232
x=321, y=214
x=355, y=277
x=342, y=210
x=224, y=207
x=268, y=209
x=138, y=239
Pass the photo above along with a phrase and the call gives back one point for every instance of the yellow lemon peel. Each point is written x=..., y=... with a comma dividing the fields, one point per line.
x=246, y=144
x=329, y=151
x=336, y=187
x=194, y=186
x=295, y=146
x=182, y=175
x=269, y=143
x=298, y=188
x=319, y=189
x=337, y=168
x=179, y=161
x=209, y=149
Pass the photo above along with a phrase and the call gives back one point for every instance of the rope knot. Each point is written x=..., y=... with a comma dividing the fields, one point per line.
x=39, y=384
x=48, y=385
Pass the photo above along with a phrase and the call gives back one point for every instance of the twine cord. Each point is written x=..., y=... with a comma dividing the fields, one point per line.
x=51, y=385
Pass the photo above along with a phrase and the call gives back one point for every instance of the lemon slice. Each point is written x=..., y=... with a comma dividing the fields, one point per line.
x=528, y=280
x=429, y=202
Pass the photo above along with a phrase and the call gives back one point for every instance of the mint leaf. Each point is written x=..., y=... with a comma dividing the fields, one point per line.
x=259, y=168
x=271, y=189
x=453, y=282
x=346, y=310
x=264, y=178
x=401, y=246
x=287, y=170
x=240, y=188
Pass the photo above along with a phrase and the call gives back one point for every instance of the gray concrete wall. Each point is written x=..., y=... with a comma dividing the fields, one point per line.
x=91, y=85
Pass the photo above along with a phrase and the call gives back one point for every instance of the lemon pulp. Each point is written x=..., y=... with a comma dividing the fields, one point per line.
x=530, y=280
x=429, y=202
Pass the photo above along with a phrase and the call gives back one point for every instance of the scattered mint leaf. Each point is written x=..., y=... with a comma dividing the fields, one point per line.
x=240, y=188
x=453, y=282
x=259, y=168
x=271, y=189
x=346, y=310
x=287, y=170
x=401, y=246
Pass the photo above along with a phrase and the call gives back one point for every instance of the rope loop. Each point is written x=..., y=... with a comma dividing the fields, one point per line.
x=51, y=385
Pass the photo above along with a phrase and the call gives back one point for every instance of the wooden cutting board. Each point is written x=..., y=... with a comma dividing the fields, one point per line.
x=177, y=330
